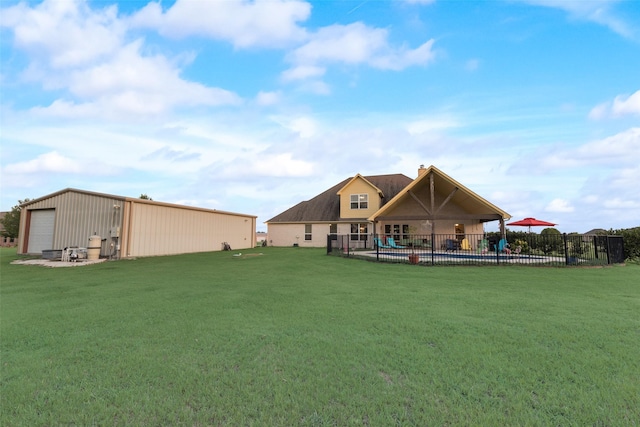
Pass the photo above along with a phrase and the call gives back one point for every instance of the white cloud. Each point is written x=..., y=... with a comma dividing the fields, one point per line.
x=622, y=105
x=82, y=54
x=598, y=11
x=303, y=72
x=57, y=163
x=600, y=111
x=353, y=44
x=280, y=165
x=620, y=149
x=237, y=170
x=65, y=33
x=431, y=125
x=268, y=98
x=245, y=24
x=617, y=203
x=133, y=83
x=303, y=126
x=626, y=104
x=559, y=205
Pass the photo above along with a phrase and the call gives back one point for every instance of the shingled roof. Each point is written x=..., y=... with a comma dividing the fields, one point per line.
x=325, y=207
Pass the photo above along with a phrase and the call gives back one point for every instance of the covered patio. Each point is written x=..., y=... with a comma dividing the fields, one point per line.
x=435, y=203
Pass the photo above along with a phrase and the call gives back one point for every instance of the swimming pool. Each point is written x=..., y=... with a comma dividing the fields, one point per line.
x=461, y=256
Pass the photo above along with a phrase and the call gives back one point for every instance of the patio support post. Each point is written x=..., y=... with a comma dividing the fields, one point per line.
x=432, y=189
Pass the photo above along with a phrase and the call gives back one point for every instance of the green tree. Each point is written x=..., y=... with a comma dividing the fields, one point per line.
x=551, y=232
x=145, y=197
x=552, y=240
x=11, y=220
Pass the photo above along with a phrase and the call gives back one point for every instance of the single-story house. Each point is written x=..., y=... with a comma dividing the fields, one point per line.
x=128, y=227
x=388, y=205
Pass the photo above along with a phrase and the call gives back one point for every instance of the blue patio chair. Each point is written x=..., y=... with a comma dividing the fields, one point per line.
x=393, y=243
x=503, y=246
x=378, y=243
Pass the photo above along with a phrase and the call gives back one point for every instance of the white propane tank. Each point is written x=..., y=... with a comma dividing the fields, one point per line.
x=93, y=250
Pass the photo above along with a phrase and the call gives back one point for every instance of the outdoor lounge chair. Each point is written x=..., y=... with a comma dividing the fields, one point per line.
x=464, y=245
x=393, y=244
x=378, y=243
x=483, y=246
x=503, y=246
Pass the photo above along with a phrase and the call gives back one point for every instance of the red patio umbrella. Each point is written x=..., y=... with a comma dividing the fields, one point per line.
x=531, y=222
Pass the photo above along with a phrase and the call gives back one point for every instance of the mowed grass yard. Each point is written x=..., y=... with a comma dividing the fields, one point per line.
x=295, y=337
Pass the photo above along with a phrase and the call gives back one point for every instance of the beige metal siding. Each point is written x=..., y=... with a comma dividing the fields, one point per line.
x=78, y=216
x=145, y=228
x=165, y=230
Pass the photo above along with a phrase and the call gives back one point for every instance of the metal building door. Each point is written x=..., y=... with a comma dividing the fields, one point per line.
x=41, y=230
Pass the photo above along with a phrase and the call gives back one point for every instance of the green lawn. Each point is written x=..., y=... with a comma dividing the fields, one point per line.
x=295, y=337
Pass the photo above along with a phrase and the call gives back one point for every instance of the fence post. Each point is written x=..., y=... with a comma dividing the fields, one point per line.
x=433, y=245
x=566, y=249
x=328, y=244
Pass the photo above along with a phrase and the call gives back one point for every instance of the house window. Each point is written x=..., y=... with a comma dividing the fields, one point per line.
x=359, y=201
x=307, y=232
x=397, y=231
x=359, y=231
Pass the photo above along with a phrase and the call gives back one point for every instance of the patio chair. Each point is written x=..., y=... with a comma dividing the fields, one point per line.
x=451, y=245
x=503, y=246
x=464, y=245
x=393, y=243
x=483, y=246
x=378, y=243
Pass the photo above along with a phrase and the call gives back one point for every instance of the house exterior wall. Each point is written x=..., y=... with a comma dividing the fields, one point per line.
x=77, y=216
x=358, y=186
x=288, y=234
x=151, y=229
x=285, y=234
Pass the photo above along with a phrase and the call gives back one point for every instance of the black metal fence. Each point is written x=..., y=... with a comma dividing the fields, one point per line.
x=447, y=249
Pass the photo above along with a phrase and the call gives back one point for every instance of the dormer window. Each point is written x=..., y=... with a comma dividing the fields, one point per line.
x=359, y=201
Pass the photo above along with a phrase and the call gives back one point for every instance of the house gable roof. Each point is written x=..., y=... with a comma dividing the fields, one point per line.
x=325, y=207
x=362, y=178
x=443, y=183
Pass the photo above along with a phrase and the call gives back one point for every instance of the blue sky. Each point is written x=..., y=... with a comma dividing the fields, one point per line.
x=255, y=106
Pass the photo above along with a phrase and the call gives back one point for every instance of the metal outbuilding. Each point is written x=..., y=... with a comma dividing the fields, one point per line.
x=128, y=227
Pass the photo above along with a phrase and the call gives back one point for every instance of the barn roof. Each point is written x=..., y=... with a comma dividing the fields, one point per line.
x=130, y=199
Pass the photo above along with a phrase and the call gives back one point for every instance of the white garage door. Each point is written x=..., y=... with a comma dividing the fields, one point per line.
x=41, y=230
